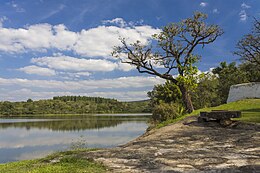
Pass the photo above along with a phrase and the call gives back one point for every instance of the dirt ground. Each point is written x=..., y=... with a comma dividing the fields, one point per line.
x=187, y=146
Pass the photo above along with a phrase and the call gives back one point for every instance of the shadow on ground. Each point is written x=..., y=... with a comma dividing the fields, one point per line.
x=187, y=146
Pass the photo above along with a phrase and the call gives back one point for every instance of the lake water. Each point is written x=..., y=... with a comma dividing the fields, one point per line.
x=30, y=138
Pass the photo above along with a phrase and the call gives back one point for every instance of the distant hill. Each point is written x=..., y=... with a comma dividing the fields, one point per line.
x=73, y=105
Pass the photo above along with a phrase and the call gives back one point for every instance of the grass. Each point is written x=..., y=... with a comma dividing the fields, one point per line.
x=250, y=109
x=62, y=162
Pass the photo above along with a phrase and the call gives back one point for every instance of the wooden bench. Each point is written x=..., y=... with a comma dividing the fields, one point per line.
x=223, y=116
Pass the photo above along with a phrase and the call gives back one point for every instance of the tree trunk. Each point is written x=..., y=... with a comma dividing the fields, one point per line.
x=186, y=99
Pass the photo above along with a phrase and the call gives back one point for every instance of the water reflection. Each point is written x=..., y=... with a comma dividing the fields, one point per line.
x=70, y=123
x=32, y=138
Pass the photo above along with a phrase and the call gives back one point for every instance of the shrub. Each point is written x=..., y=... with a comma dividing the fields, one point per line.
x=165, y=111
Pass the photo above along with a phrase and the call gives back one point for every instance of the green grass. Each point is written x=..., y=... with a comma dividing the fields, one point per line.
x=250, y=109
x=67, y=162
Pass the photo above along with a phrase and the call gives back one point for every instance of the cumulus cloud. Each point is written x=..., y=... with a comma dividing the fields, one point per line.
x=91, y=42
x=125, y=67
x=68, y=63
x=123, y=88
x=101, y=40
x=70, y=75
x=37, y=70
x=118, y=21
x=24, y=93
x=116, y=83
x=203, y=4
x=243, y=15
x=244, y=5
x=92, y=50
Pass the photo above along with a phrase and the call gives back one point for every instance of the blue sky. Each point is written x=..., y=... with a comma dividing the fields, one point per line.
x=62, y=47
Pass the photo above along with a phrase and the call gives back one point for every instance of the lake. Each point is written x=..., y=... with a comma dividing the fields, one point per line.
x=30, y=138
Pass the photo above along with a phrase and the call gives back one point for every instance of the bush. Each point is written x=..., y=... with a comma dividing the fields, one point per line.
x=165, y=111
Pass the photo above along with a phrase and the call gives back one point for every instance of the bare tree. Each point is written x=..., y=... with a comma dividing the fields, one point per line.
x=174, y=52
x=248, y=48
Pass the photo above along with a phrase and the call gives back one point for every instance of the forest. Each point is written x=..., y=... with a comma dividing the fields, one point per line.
x=73, y=105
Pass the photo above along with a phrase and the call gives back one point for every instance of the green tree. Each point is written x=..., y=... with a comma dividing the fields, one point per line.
x=206, y=94
x=228, y=74
x=167, y=93
x=29, y=101
x=252, y=71
x=174, y=52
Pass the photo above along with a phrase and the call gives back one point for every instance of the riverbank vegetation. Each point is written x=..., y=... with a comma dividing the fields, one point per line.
x=61, y=162
x=73, y=105
x=171, y=102
x=250, y=109
x=211, y=89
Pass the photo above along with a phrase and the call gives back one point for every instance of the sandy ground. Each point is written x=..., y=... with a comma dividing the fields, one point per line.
x=187, y=146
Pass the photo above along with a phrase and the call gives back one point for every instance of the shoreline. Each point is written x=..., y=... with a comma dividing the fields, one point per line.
x=184, y=146
x=73, y=115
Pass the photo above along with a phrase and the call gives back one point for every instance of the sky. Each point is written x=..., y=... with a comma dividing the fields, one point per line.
x=63, y=47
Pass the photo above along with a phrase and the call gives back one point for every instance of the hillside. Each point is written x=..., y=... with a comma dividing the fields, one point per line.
x=250, y=109
x=73, y=105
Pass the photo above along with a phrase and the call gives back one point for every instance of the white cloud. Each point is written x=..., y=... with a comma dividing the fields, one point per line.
x=37, y=70
x=78, y=74
x=215, y=10
x=203, y=4
x=123, y=95
x=24, y=93
x=67, y=63
x=92, y=42
x=116, y=83
x=101, y=40
x=2, y=19
x=53, y=12
x=123, y=88
x=69, y=67
x=122, y=23
x=16, y=7
x=118, y=21
x=243, y=15
x=125, y=67
x=245, y=6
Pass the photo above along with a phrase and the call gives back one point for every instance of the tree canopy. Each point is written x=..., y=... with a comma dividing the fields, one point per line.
x=174, y=54
x=73, y=105
x=248, y=48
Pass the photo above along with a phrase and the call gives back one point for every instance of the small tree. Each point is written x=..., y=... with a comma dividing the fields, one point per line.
x=174, y=52
x=248, y=48
x=167, y=93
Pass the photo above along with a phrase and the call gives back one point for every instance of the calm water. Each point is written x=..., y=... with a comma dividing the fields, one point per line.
x=30, y=138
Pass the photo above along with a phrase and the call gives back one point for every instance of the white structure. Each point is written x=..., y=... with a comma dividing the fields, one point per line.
x=244, y=91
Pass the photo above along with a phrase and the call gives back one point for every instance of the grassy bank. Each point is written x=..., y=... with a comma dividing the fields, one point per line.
x=62, y=162
x=250, y=109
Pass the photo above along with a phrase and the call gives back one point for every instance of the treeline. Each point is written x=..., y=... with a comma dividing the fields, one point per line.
x=212, y=88
x=83, y=98
x=73, y=105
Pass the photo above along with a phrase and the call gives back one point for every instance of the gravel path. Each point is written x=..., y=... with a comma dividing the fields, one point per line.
x=187, y=146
